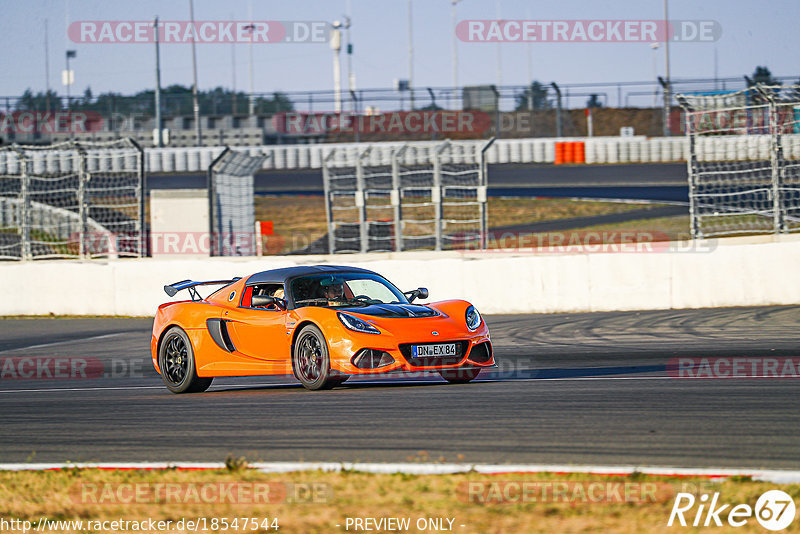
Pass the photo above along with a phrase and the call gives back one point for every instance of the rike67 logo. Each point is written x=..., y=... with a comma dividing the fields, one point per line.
x=774, y=510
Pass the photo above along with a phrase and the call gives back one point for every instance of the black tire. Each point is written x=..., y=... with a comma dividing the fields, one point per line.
x=176, y=362
x=311, y=363
x=460, y=376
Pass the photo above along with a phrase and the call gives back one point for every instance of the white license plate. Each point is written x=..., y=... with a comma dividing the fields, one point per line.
x=427, y=351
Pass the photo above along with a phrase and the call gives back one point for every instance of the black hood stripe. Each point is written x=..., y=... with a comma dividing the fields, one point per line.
x=395, y=311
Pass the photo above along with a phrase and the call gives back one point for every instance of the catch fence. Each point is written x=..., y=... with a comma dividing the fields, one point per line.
x=423, y=196
x=72, y=200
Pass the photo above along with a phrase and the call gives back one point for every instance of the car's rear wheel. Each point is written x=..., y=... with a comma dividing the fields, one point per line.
x=311, y=363
x=176, y=362
x=460, y=376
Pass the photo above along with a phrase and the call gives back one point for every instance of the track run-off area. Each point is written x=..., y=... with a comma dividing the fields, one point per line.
x=572, y=389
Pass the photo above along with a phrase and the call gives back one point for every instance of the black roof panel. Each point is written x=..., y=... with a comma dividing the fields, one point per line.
x=279, y=276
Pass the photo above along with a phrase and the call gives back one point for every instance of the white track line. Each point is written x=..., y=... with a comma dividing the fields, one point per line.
x=51, y=390
x=399, y=381
x=221, y=389
x=775, y=476
x=67, y=342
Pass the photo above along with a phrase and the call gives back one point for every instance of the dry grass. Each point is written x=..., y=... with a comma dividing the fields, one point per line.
x=588, y=239
x=296, y=221
x=663, y=228
x=327, y=499
x=512, y=211
x=300, y=219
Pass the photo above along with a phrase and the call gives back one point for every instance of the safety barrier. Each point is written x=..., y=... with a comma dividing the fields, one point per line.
x=738, y=271
x=589, y=150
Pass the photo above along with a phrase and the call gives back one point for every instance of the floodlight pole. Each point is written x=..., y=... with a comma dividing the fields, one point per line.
x=195, y=101
x=46, y=67
x=69, y=79
x=159, y=140
x=68, y=84
x=667, y=89
x=558, y=108
x=251, y=105
x=453, y=4
x=351, y=77
x=410, y=57
x=336, y=46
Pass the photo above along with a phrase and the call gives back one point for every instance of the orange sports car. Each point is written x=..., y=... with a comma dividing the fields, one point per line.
x=321, y=323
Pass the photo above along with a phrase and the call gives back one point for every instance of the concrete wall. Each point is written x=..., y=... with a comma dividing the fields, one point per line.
x=175, y=214
x=725, y=272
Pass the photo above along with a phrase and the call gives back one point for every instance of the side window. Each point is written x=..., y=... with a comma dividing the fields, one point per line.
x=306, y=288
x=268, y=290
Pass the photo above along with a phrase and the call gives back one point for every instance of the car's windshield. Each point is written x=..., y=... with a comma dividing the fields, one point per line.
x=344, y=289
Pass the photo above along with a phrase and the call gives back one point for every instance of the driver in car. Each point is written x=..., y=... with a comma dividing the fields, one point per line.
x=334, y=291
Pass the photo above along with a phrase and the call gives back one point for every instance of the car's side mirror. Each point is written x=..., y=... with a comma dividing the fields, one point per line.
x=419, y=293
x=260, y=301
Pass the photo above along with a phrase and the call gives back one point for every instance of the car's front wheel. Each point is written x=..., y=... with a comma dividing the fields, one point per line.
x=460, y=376
x=176, y=362
x=310, y=361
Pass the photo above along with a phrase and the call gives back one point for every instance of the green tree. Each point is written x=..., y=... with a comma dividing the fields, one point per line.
x=87, y=96
x=175, y=100
x=48, y=101
x=763, y=76
x=594, y=102
x=533, y=97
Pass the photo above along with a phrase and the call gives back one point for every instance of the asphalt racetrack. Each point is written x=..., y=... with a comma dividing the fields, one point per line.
x=587, y=388
x=631, y=181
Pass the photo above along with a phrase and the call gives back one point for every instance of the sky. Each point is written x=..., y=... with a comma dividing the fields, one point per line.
x=753, y=33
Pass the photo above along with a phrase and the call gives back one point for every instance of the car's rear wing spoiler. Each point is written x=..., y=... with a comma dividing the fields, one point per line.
x=173, y=289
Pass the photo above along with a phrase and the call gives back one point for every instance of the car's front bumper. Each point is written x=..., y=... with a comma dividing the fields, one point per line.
x=472, y=356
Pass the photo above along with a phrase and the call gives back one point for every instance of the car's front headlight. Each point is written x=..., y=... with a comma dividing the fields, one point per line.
x=473, y=318
x=356, y=324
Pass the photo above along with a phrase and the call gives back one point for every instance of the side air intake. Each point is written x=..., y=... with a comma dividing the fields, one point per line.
x=219, y=333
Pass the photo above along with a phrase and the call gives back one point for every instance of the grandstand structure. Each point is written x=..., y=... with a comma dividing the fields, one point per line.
x=225, y=123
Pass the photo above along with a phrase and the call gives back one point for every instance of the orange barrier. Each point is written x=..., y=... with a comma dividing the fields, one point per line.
x=559, y=153
x=580, y=152
x=570, y=152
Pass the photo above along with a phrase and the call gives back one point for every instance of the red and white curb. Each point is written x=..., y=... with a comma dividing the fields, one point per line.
x=775, y=476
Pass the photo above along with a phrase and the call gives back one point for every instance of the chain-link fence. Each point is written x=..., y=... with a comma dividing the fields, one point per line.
x=425, y=196
x=72, y=200
x=744, y=160
x=231, y=209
